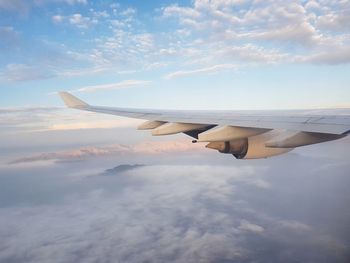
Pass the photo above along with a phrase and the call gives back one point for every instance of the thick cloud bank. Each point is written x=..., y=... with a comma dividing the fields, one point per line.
x=243, y=212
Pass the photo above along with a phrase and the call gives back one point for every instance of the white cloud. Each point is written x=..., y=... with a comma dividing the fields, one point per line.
x=303, y=34
x=175, y=10
x=120, y=85
x=57, y=19
x=247, y=226
x=272, y=27
x=81, y=21
x=210, y=70
x=335, y=21
x=128, y=12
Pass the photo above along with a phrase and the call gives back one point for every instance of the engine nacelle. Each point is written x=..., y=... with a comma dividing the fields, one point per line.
x=249, y=148
x=238, y=148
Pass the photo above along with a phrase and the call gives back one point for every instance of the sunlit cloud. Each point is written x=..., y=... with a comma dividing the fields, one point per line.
x=152, y=148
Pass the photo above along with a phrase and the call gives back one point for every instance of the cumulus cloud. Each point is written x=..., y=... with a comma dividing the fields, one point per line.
x=273, y=26
x=335, y=20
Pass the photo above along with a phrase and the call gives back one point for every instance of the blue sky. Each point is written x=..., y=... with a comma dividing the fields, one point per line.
x=224, y=54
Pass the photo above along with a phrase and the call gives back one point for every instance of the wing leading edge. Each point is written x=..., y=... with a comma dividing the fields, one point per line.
x=274, y=131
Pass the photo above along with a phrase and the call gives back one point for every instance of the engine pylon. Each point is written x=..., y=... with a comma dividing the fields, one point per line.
x=173, y=128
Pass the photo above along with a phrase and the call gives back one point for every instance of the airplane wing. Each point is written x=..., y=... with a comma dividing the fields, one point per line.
x=245, y=134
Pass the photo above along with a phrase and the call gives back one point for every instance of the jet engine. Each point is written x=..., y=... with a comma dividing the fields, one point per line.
x=249, y=148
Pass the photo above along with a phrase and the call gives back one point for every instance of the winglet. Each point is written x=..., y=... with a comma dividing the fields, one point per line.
x=72, y=101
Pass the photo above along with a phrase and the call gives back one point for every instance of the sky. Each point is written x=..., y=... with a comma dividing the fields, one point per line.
x=85, y=187
x=223, y=54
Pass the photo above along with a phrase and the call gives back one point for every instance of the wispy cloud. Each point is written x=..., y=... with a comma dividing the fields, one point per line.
x=210, y=70
x=112, y=86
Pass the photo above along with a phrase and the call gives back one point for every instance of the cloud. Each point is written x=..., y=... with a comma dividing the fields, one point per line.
x=272, y=27
x=28, y=109
x=153, y=148
x=212, y=69
x=17, y=120
x=166, y=225
x=57, y=19
x=14, y=5
x=122, y=168
x=9, y=37
x=81, y=21
x=251, y=53
x=23, y=72
x=78, y=20
x=93, y=124
x=335, y=20
x=120, y=85
x=175, y=10
x=169, y=213
x=24, y=6
x=78, y=154
x=331, y=57
x=128, y=12
x=73, y=2
x=302, y=34
x=202, y=34
x=247, y=226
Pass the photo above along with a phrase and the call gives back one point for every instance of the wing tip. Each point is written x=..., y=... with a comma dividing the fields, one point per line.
x=72, y=101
